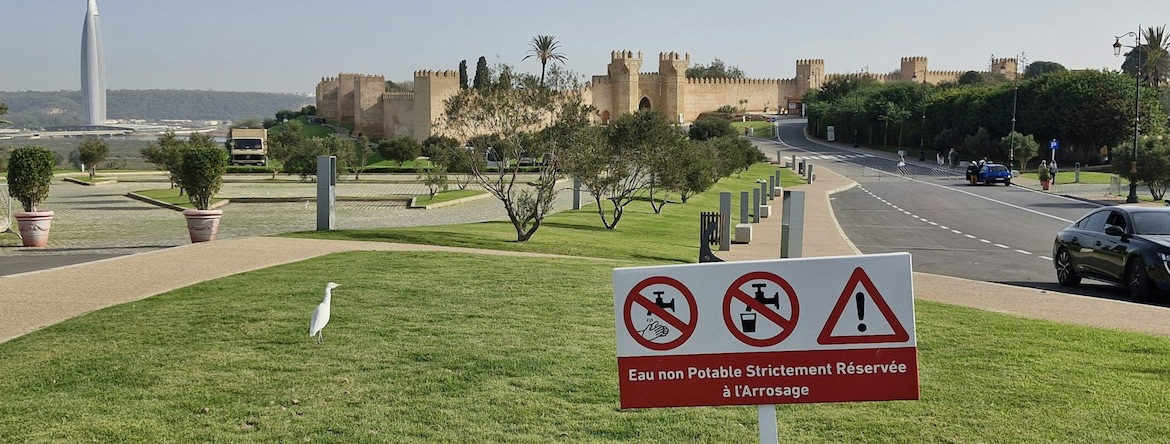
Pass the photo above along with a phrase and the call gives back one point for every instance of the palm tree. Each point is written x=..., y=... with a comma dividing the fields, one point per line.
x=544, y=47
x=1157, y=60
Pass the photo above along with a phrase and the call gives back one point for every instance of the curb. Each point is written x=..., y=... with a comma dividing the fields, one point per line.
x=89, y=184
x=448, y=203
x=169, y=206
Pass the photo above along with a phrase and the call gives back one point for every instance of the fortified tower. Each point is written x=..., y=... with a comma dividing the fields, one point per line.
x=431, y=90
x=345, y=98
x=674, y=79
x=1005, y=66
x=623, y=73
x=367, y=111
x=912, y=66
x=327, y=98
x=810, y=74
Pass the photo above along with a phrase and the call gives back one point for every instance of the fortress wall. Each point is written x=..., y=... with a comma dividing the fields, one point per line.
x=600, y=95
x=327, y=98
x=367, y=111
x=345, y=99
x=706, y=95
x=397, y=114
x=431, y=90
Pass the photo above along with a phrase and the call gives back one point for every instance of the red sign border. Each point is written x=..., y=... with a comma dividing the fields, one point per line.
x=792, y=298
x=636, y=292
x=860, y=277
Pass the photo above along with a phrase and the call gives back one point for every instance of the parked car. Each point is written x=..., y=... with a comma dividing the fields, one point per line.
x=989, y=174
x=1126, y=245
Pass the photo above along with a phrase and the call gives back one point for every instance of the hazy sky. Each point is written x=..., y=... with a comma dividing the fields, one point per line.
x=288, y=45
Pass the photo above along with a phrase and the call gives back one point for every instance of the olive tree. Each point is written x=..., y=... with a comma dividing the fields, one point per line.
x=525, y=116
x=93, y=151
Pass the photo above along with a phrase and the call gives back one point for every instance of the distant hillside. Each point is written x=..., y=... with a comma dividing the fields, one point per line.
x=33, y=109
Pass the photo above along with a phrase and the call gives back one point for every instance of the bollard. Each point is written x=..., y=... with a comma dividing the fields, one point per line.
x=576, y=193
x=765, y=209
x=810, y=173
x=1077, y=174
x=800, y=170
x=326, y=192
x=725, y=220
x=792, y=224
x=771, y=187
x=755, y=206
x=793, y=161
x=743, y=230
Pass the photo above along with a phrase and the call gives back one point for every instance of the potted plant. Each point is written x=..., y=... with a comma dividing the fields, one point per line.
x=1045, y=177
x=201, y=176
x=30, y=171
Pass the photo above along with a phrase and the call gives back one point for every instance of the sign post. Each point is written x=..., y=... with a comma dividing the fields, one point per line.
x=1054, y=145
x=807, y=330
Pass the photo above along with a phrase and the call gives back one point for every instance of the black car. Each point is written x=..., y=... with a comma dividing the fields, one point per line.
x=1127, y=245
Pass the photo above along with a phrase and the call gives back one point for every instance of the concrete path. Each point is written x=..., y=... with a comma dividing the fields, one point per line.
x=69, y=291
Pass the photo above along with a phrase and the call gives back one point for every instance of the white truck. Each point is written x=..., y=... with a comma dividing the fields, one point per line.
x=249, y=147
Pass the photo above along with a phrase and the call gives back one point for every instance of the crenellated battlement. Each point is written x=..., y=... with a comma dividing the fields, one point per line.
x=624, y=55
x=810, y=62
x=725, y=81
x=668, y=56
x=914, y=59
x=432, y=73
x=398, y=95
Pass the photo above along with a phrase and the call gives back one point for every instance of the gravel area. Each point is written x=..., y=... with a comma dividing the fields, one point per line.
x=102, y=220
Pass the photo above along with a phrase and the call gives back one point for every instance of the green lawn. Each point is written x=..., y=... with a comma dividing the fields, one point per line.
x=445, y=196
x=1066, y=177
x=307, y=130
x=437, y=347
x=443, y=347
x=671, y=236
x=761, y=129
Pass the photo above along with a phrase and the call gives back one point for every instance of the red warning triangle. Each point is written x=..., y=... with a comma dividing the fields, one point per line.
x=860, y=278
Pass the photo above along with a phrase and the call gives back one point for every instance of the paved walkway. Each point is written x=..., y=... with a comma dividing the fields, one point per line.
x=74, y=290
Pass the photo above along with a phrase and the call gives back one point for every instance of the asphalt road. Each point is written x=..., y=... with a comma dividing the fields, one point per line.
x=988, y=233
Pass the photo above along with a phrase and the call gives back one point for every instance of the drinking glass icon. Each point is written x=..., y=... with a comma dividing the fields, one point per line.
x=748, y=322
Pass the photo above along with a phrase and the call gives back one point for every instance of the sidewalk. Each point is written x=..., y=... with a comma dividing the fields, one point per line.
x=73, y=290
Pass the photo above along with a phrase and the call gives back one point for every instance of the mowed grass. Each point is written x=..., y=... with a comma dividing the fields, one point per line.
x=1067, y=177
x=671, y=236
x=445, y=196
x=441, y=347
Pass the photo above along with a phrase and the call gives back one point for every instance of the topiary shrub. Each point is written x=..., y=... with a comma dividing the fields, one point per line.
x=30, y=172
x=201, y=174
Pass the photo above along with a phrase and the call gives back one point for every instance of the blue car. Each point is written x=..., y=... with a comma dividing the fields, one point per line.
x=991, y=173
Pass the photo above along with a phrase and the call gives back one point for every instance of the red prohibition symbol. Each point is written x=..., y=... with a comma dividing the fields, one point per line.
x=636, y=298
x=759, y=303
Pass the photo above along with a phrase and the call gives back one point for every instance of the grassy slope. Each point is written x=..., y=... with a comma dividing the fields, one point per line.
x=430, y=347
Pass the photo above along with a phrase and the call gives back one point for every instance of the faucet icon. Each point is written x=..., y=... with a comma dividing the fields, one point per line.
x=661, y=303
x=764, y=300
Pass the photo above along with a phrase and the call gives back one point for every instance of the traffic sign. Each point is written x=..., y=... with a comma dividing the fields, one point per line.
x=749, y=317
x=1054, y=145
x=830, y=329
x=850, y=297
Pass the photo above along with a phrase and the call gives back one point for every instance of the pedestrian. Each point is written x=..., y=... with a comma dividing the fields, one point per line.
x=954, y=156
x=1052, y=170
x=938, y=158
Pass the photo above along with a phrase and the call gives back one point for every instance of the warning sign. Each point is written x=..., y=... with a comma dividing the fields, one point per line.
x=765, y=316
x=885, y=328
x=667, y=322
x=808, y=330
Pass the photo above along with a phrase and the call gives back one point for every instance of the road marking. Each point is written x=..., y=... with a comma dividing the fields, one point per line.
x=945, y=228
x=933, y=223
x=1045, y=258
x=969, y=236
x=1002, y=246
x=985, y=241
x=1023, y=252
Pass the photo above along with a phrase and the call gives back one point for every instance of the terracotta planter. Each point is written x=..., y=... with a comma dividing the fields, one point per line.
x=34, y=227
x=1045, y=184
x=202, y=224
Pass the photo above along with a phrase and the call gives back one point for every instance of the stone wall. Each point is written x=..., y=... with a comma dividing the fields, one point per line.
x=398, y=114
x=367, y=109
x=431, y=90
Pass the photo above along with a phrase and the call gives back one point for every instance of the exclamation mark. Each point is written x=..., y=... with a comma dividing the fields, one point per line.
x=860, y=310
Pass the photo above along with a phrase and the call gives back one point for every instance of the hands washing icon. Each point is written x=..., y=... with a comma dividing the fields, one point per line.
x=654, y=330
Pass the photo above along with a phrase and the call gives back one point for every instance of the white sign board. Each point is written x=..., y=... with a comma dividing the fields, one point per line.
x=767, y=332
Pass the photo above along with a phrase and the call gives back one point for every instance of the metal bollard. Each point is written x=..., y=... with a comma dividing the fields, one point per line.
x=810, y=173
x=725, y=220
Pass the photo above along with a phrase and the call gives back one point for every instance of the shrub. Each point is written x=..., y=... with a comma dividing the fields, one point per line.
x=201, y=174
x=30, y=172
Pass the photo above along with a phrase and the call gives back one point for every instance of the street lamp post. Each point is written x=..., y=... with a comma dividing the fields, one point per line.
x=1015, y=99
x=1137, y=88
x=922, y=131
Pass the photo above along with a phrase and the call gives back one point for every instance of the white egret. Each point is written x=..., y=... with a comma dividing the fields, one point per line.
x=321, y=314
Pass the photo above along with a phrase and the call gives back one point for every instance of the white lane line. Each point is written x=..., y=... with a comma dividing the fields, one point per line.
x=985, y=241
x=958, y=232
x=945, y=227
x=1023, y=252
x=969, y=236
x=933, y=223
x=1002, y=246
x=1045, y=258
